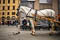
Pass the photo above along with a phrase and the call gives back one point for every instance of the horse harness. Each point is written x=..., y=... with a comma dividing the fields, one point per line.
x=36, y=15
x=31, y=16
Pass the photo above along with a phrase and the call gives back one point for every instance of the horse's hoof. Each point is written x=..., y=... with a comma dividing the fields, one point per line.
x=50, y=34
x=32, y=34
x=16, y=33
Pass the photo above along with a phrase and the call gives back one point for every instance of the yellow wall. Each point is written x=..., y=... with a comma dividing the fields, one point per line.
x=11, y=4
x=37, y=6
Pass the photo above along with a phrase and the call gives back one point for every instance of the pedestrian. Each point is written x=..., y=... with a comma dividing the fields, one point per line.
x=16, y=22
x=8, y=23
x=1, y=23
x=11, y=22
x=24, y=22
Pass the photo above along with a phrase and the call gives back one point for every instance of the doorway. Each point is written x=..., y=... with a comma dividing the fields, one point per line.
x=59, y=10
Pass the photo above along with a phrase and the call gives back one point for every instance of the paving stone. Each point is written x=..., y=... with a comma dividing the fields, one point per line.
x=6, y=33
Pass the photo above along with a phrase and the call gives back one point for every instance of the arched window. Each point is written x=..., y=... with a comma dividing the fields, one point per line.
x=3, y=13
x=8, y=17
x=3, y=18
x=8, y=1
x=13, y=13
x=13, y=18
x=13, y=1
x=3, y=1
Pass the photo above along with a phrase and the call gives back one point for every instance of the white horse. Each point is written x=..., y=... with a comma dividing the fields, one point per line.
x=31, y=12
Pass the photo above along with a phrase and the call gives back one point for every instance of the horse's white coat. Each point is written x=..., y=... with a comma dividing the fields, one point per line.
x=45, y=12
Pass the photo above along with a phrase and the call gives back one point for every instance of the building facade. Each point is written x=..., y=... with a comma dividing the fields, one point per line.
x=43, y=4
x=8, y=10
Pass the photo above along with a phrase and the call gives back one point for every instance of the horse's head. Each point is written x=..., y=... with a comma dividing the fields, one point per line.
x=24, y=9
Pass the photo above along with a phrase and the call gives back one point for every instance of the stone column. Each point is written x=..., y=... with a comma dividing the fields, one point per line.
x=36, y=4
x=55, y=6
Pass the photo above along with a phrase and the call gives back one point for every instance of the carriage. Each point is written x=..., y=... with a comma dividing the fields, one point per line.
x=38, y=15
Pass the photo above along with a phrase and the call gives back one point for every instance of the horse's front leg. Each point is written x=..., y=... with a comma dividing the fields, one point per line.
x=18, y=31
x=32, y=25
x=52, y=28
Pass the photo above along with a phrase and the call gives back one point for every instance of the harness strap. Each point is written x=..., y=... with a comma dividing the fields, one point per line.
x=43, y=13
x=35, y=14
x=31, y=16
x=28, y=12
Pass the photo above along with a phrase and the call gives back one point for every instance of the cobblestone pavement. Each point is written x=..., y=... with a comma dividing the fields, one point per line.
x=6, y=33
